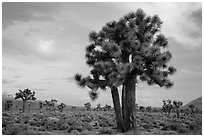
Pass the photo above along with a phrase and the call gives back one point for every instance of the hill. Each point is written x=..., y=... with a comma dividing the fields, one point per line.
x=197, y=103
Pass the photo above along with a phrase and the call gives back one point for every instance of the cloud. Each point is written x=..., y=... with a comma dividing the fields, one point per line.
x=69, y=79
x=17, y=76
x=196, y=16
x=31, y=31
x=5, y=81
x=189, y=72
x=39, y=89
x=14, y=12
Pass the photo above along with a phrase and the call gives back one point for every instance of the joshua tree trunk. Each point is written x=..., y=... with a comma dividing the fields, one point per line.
x=117, y=107
x=124, y=104
x=177, y=112
x=24, y=103
x=129, y=103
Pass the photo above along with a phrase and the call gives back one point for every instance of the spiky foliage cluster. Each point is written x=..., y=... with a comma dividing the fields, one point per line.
x=141, y=108
x=61, y=107
x=148, y=108
x=87, y=106
x=177, y=104
x=8, y=104
x=107, y=108
x=50, y=104
x=167, y=106
x=26, y=94
x=132, y=45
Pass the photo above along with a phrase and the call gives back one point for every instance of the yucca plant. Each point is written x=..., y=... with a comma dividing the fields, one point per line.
x=61, y=107
x=124, y=53
x=87, y=106
x=177, y=105
x=25, y=95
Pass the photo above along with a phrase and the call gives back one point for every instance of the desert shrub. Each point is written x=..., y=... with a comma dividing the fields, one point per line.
x=87, y=126
x=103, y=124
x=10, y=130
x=17, y=120
x=171, y=126
x=33, y=122
x=87, y=132
x=74, y=132
x=71, y=121
x=42, y=121
x=146, y=126
x=106, y=131
x=191, y=126
x=182, y=130
x=26, y=121
x=75, y=127
x=51, y=125
x=6, y=114
x=64, y=126
x=39, y=115
x=6, y=121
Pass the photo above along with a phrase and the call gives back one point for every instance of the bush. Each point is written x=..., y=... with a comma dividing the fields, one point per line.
x=183, y=130
x=74, y=132
x=191, y=127
x=64, y=126
x=75, y=127
x=32, y=122
x=171, y=126
x=106, y=131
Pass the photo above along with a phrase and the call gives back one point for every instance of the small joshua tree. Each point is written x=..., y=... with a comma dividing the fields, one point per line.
x=50, y=104
x=141, y=108
x=167, y=106
x=8, y=104
x=46, y=103
x=53, y=102
x=177, y=105
x=25, y=95
x=61, y=107
x=149, y=109
x=107, y=108
x=87, y=106
x=98, y=107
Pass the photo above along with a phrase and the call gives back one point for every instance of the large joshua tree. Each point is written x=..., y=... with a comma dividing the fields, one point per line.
x=124, y=53
x=25, y=95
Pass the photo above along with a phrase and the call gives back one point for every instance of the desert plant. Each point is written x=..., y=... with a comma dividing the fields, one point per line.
x=61, y=107
x=177, y=105
x=125, y=52
x=167, y=106
x=50, y=104
x=148, y=108
x=25, y=95
x=98, y=107
x=40, y=106
x=191, y=106
x=87, y=106
x=141, y=108
x=53, y=102
x=107, y=108
x=8, y=104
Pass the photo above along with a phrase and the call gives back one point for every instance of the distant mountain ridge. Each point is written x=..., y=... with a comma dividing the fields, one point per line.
x=197, y=103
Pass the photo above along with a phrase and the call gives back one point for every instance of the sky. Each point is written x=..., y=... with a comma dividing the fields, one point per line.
x=43, y=46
